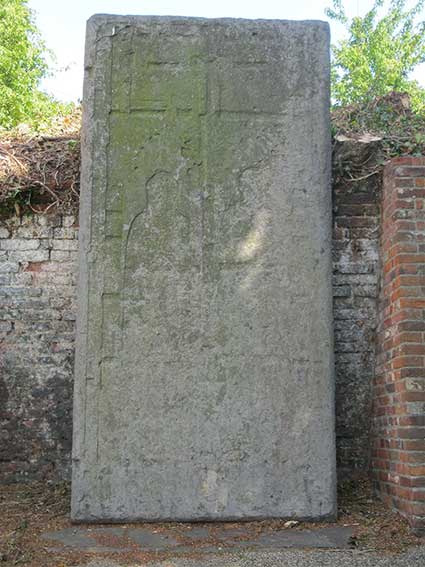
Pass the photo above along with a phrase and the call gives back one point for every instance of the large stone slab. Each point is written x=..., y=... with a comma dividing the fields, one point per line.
x=204, y=376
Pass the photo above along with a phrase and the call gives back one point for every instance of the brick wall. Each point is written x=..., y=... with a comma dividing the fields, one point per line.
x=37, y=293
x=37, y=312
x=37, y=299
x=398, y=458
x=356, y=200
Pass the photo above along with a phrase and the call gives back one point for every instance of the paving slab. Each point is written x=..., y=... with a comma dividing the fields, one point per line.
x=82, y=539
x=196, y=532
x=150, y=540
x=204, y=539
x=338, y=538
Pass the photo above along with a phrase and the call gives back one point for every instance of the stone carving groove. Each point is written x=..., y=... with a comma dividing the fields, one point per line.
x=205, y=387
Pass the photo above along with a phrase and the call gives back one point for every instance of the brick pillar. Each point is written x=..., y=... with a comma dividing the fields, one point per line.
x=398, y=458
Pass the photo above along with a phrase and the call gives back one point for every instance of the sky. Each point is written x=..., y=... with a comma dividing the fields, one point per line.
x=62, y=24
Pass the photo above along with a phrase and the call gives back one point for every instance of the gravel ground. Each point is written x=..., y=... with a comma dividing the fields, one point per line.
x=411, y=558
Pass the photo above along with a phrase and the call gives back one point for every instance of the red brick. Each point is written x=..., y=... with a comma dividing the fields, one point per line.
x=399, y=448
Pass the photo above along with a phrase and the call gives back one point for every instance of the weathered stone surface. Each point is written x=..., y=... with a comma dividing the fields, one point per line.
x=204, y=372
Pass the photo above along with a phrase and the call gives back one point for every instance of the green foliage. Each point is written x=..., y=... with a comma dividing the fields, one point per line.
x=379, y=53
x=23, y=63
